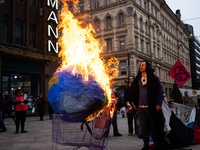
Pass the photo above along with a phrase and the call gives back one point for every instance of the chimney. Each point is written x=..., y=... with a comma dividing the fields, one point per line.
x=178, y=14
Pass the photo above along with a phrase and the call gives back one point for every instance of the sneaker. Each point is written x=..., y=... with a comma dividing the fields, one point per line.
x=3, y=129
x=16, y=132
x=24, y=131
x=117, y=134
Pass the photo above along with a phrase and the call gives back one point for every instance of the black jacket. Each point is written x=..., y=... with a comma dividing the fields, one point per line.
x=40, y=104
x=1, y=101
x=7, y=108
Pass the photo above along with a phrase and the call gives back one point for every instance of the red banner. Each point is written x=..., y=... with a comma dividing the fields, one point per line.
x=179, y=73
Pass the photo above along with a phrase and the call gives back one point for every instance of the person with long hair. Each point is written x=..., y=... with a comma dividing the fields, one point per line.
x=147, y=95
x=20, y=109
x=131, y=113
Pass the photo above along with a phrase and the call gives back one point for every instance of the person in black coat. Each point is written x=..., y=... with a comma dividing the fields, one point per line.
x=7, y=108
x=128, y=100
x=147, y=95
x=2, y=125
x=41, y=106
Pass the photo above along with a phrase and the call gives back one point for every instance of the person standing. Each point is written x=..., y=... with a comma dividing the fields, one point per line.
x=20, y=109
x=7, y=108
x=186, y=99
x=2, y=125
x=41, y=106
x=128, y=100
x=117, y=107
x=147, y=95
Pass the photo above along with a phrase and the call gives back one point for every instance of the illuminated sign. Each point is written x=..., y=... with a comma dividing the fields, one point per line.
x=52, y=17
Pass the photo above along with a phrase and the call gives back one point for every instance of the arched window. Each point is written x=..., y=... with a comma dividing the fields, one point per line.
x=121, y=19
x=108, y=22
x=96, y=25
x=135, y=20
x=141, y=24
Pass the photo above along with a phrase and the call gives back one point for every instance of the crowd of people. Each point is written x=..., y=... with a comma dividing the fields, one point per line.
x=19, y=101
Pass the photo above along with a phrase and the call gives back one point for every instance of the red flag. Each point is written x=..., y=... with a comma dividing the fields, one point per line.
x=179, y=73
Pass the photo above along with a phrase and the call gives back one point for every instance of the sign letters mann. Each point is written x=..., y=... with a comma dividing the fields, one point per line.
x=179, y=73
x=52, y=18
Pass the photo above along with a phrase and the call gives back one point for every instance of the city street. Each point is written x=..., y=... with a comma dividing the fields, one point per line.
x=39, y=137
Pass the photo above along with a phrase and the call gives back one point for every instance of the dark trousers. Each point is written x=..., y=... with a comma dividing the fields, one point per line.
x=20, y=116
x=9, y=114
x=41, y=115
x=130, y=118
x=114, y=122
x=146, y=123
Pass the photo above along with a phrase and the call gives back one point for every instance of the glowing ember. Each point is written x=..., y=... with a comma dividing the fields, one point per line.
x=80, y=50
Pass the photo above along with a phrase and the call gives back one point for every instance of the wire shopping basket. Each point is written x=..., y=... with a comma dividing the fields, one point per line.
x=92, y=134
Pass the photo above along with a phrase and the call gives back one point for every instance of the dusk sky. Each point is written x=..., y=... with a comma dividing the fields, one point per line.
x=190, y=12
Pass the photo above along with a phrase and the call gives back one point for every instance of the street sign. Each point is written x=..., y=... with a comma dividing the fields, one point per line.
x=194, y=92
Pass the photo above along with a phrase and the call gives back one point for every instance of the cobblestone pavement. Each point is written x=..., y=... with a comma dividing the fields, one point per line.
x=39, y=137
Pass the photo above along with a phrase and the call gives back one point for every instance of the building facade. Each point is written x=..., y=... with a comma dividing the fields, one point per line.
x=28, y=45
x=134, y=30
x=194, y=45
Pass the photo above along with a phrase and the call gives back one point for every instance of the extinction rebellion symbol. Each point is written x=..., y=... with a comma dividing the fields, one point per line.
x=180, y=73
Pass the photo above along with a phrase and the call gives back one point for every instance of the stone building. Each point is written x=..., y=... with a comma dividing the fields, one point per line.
x=134, y=30
x=28, y=52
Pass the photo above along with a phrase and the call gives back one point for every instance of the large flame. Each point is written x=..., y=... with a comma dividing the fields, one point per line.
x=80, y=49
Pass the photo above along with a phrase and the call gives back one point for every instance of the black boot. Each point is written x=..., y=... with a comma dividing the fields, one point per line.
x=4, y=129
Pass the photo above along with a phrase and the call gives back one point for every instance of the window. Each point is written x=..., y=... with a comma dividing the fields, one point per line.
x=121, y=19
x=147, y=48
x=135, y=20
x=109, y=44
x=5, y=28
x=96, y=25
x=33, y=3
x=96, y=3
x=136, y=46
x=146, y=27
x=142, y=46
x=156, y=13
x=108, y=22
x=158, y=52
x=19, y=32
x=153, y=33
x=107, y=2
x=70, y=7
x=81, y=7
x=123, y=68
x=141, y=24
x=151, y=9
x=122, y=42
x=139, y=2
x=154, y=52
x=32, y=36
x=145, y=5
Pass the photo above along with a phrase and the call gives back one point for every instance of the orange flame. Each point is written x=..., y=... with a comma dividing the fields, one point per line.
x=80, y=49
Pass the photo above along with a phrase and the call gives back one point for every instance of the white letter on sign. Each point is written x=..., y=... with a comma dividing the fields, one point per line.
x=53, y=17
x=49, y=2
x=50, y=44
x=51, y=30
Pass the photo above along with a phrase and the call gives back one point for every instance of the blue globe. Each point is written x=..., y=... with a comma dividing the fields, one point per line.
x=71, y=95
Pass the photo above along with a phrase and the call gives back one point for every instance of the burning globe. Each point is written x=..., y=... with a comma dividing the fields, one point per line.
x=81, y=85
